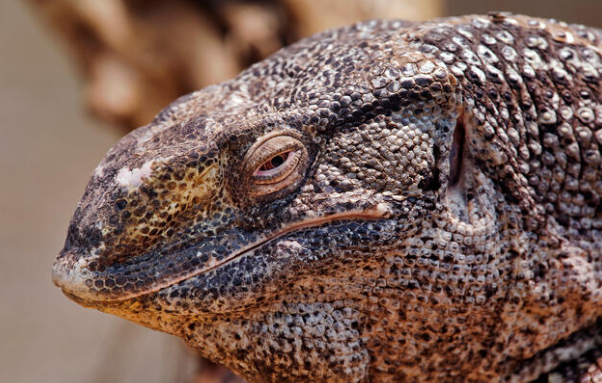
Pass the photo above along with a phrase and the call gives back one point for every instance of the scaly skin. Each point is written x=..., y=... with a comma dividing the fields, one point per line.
x=383, y=202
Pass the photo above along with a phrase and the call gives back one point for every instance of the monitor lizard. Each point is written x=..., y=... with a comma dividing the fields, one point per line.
x=389, y=201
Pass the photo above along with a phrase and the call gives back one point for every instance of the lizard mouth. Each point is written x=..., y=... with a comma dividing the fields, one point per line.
x=127, y=281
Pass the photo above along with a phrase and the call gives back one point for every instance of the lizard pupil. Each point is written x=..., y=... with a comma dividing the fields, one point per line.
x=275, y=161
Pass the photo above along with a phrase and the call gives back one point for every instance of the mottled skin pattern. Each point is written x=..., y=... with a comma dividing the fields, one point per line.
x=384, y=202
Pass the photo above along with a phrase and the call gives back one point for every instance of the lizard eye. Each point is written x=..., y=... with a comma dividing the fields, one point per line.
x=274, y=163
x=277, y=167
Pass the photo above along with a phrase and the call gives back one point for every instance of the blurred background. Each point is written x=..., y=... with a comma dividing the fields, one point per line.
x=75, y=75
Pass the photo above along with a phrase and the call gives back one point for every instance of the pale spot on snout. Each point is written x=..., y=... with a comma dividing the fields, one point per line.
x=133, y=178
x=99, y=171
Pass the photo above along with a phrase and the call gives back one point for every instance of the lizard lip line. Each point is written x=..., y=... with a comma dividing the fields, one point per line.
x=73, y=285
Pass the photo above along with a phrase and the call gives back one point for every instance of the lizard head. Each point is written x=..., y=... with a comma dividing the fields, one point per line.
x=269, y=190
x=300, y=159
x=289, y=221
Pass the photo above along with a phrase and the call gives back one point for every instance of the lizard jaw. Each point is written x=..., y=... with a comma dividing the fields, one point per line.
x=78, y=282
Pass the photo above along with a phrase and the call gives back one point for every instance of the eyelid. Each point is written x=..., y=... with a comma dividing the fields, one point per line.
x=265, y=139
x=279, y=173
x=273, y=147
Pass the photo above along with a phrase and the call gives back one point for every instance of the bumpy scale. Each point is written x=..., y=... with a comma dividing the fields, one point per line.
x=384, y=202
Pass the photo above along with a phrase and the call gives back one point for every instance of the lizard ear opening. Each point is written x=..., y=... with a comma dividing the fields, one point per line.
x=460, y=174
x=456, y=154
x=469, y=192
